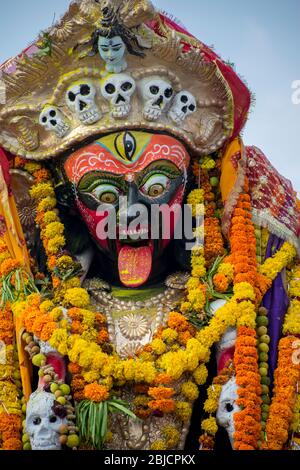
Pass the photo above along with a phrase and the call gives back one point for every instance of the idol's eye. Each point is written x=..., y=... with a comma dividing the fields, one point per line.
x=156, y=185
x=106, y=193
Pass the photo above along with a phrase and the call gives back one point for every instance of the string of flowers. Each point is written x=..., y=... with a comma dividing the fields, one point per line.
x=10, y=386
x=210, y=425
x=286, y=376
x=247, y=421
x=283, y=416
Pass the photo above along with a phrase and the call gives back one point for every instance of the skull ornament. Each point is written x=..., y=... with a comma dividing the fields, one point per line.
x=157, y=95
x=81, y=99
x=227, y=408
x=184, y=105
x=53, y=120
x=42, y=424
x=118, y=90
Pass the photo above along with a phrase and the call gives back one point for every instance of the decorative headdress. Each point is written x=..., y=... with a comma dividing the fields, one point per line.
x=55, y=100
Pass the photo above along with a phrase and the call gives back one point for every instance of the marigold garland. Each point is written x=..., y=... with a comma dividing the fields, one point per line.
x=287, y=375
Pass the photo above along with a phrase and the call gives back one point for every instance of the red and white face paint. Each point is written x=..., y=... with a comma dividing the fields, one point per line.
x=147, y=169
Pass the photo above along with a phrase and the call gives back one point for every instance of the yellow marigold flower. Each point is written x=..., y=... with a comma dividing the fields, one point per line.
x=64, y=262
x=292, y=319
x=198, y=271
x=42, y=191
x=208, y=163
x=193, y=283
x=55, y=244
x=77, y=297
x=146, y=356
x=200, y=374
x=210, y=406
x=190, y=391
x=88, y=317
x=32, y=167
x=158, y=346
x=46, y=306
x=169, y=335
x=185, y=307
x=196, y=197
x=59, y=341
x=56, y=314
x=158, y=445
x=171, y=435
x=53, y=230
x=91, y=376
x=47, y=204
x=244, y=290
x=227, y=269
x=273, y=266
x=183, y=411
x=50, y=217
x=210, y=426
x=71, y=283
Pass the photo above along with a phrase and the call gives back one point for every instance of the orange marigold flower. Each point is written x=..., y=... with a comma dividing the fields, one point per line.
x=163, y=379
x=9, y=265
x=12, y=444
x=220, y=282
x=56, y=282
x=159, y=393
x=177, y=322
x=102, y=337
x=163, y=405
x=48, y=330
x=74, y=368
x=96, y=393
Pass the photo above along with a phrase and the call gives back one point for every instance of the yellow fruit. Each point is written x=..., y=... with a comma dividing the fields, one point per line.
x=263, y=347
x=38, y=359
x=65, y=389
x=25, y=438
x=262, y=330
x=61, y=400
x=58, y=394
x=53, y=388
x=27, y=446
x=73, y=441
x=263, y=372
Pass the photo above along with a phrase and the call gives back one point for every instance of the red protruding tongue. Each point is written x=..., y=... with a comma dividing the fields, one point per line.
x=135, y=265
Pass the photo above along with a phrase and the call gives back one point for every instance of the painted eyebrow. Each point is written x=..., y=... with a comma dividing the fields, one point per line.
x=98, y=175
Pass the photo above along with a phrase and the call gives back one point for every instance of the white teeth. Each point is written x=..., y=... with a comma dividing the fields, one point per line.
x=134, y=232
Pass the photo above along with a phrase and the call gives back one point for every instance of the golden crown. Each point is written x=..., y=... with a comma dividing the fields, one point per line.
x=63, y=92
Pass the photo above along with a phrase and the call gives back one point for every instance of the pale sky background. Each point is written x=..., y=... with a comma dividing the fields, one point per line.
x=262, y=37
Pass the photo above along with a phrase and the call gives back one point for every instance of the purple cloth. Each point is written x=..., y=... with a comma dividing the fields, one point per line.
x=276, y=302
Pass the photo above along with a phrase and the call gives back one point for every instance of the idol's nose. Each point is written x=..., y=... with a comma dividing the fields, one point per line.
x=132, y=201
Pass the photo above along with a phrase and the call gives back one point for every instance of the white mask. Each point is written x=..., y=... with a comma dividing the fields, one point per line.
x=42, y=425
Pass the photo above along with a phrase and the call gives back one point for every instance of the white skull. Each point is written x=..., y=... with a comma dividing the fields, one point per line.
x=157, y=95
x=81, y=99
x=118, y=90
x=184, y=105
x=53, y=120
x=227, y=408
x=42, y=425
